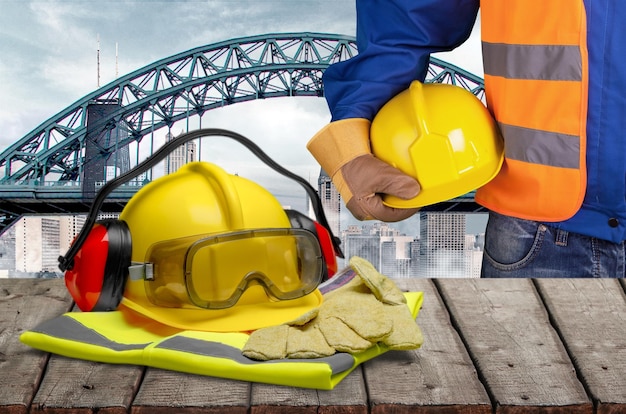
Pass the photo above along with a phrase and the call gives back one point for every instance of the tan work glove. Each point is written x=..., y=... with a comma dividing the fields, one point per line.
x=342, y=148
x=367, y=310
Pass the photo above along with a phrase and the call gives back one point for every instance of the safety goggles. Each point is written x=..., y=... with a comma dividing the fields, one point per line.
x=214, y=271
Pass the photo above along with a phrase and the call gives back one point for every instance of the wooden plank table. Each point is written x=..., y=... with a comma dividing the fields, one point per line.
x=490, y=346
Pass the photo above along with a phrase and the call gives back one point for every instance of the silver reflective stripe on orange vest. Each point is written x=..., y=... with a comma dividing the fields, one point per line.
x=538, y=62
x=541, y=147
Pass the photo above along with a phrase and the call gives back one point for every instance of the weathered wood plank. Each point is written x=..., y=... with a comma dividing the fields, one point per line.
x=273, y=399
x=73, y=386
x=590, y=315
x=438, y=377
x=165, y=392
x=520, y=357
x=503, y=324
x=348, y=397
x=25, y=303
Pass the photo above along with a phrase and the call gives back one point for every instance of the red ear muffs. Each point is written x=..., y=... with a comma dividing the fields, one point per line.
x=97, y=278
x=300, y=221
x=328, y=250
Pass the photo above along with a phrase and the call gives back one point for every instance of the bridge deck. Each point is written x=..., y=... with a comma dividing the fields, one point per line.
x=503, y=346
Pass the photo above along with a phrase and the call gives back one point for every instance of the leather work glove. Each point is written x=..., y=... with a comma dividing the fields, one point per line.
x=342, y=148
x=367, y=310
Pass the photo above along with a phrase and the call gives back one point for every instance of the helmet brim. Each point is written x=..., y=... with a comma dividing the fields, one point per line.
x=240, y=318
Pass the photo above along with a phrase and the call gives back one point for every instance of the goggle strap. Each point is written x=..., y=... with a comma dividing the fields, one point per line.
x=141, y=271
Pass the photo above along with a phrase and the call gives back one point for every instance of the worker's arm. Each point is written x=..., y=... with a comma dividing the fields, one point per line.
x=394, y=39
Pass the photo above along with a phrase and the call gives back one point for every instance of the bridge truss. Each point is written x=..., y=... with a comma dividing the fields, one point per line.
x=41, y=172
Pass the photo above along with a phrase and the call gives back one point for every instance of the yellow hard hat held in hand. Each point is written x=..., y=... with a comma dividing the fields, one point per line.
x=443, y=136
x=342, y=148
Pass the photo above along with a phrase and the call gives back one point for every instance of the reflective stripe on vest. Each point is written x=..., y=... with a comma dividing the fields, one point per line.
x=535, y=63
x=207, y=349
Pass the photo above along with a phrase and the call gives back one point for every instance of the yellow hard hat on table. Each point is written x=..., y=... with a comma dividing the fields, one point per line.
x=216, y=252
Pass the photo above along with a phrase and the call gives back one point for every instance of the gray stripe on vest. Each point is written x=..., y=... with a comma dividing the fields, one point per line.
x=537, y=62
x=339, y=362
x=541, y=147
x=65, y=327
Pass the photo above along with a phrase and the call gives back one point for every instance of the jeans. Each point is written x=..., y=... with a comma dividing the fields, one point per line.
x=523, y=248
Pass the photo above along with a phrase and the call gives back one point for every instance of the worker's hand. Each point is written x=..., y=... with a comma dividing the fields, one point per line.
x=342, y=148
x=369, y=309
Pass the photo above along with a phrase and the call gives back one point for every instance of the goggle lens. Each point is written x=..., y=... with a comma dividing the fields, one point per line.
x=213, y=272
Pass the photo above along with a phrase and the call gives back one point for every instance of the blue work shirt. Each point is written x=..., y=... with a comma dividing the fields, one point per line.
x=395, y=40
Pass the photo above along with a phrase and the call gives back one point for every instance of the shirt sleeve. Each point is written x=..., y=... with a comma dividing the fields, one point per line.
x=394, y=40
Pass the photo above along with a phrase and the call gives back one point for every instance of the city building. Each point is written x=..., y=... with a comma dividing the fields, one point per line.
x=7, y=252
x=37, y=244
x=98, y=169
x=442, y=245
x=69, y=227
x=474, y=254
x=331, y=201
x=180, y=156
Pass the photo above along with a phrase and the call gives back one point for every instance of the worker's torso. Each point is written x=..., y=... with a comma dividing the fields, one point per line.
x=558, y=95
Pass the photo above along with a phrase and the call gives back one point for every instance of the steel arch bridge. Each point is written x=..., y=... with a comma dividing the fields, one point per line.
x=43, y=172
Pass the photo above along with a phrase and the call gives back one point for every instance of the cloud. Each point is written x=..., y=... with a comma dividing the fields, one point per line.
x=49, y=47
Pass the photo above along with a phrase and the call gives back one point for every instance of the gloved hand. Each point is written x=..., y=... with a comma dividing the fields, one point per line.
x=342, y=148
x=367, y=310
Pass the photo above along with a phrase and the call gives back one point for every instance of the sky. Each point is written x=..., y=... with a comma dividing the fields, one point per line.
x=49, y=55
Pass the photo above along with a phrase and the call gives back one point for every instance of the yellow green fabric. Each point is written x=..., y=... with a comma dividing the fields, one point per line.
x=129, y=338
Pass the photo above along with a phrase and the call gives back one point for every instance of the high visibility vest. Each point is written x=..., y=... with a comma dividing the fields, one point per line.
x=536, y=85
x=120, y=337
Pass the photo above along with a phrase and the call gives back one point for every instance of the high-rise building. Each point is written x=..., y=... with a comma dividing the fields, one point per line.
x=7, y=252
x=331, y=201
x=98, y=169
x=366, y=246
x=473, y=254
x=442, y=245
x=69, y=227
x=180, y=156
x=37, y=244
x=396, y=255
x=414, y=254
x=388, y=257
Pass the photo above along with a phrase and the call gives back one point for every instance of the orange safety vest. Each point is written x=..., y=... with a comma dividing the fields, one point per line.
x=535, y=59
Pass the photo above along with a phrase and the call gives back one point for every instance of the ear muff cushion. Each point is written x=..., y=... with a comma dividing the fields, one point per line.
x=116, y=267
x=328, y=250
